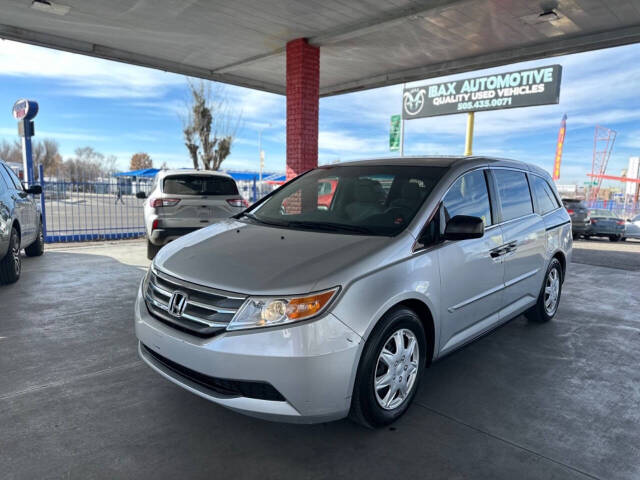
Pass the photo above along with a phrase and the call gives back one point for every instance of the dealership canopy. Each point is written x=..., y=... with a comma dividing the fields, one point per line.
x=364, y=44
x=275, y=45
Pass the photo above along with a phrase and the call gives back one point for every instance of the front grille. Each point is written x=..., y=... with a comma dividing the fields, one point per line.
x=222, y=386
x=206, y=312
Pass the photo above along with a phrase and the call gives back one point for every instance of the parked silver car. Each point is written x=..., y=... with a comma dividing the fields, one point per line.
x=632, y=228
x=181, y=201
x=308, y=311
x=20, y=224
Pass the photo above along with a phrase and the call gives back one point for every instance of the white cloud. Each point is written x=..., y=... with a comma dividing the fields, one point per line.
x=77, y=135
x=85, y=76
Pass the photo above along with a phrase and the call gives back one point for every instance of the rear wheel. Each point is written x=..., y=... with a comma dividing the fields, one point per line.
x=614, y=238
x=390, y=368
x=37, y=247
x=549, y=299
x=11, y=263
x=152, y=250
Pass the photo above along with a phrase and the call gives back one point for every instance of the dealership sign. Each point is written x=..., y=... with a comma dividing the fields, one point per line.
x=524, y=88
x=24, y=109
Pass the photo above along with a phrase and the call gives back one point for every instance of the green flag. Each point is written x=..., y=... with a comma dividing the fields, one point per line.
x=394, y=133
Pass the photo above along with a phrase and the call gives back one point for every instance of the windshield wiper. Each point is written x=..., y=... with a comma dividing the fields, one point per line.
x=331, y=227
x=259, y=220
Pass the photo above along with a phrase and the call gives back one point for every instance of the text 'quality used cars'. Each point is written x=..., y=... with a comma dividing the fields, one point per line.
x=330, y=296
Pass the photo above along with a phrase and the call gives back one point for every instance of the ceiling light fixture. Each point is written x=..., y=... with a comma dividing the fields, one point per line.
x=50, y=7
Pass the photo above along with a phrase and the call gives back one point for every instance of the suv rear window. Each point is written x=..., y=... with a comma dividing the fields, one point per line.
x=199, y=185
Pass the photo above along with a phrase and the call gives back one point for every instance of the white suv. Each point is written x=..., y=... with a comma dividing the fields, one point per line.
x=181, y=201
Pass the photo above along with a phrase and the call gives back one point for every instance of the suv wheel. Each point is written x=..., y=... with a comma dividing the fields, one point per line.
x=614, y=238
x=549, y=297
x=390, y=368
x=11, y=263
x=36, y=248
x=152, y=250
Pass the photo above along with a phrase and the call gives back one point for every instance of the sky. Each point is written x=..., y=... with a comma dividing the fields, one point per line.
x=120, y=109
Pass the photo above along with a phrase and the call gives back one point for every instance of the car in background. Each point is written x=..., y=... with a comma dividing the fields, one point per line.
x=605, y=224
x=181, y=201
x=632, y=228
x=579, y=214
x=20, y=224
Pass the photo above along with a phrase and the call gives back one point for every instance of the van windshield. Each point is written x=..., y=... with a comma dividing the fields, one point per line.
x=367, y=200
x=199, y=185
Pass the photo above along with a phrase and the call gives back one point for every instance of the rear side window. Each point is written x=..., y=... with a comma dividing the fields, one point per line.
x=3, y=180
x=547, y=201
x=513, y=193
x=468, y=196
x=12, y=178
x=199, y=185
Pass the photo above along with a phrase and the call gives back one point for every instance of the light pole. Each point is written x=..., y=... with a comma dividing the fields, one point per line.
x=261, y=155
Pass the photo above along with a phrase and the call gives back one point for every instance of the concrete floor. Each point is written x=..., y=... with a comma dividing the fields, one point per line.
x=560, y=400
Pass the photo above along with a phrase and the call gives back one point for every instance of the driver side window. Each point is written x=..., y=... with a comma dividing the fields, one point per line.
x=468, y=196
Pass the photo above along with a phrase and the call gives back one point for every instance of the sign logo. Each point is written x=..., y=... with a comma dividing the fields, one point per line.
x=414, y=100
x=24, y=109
x=177, y=303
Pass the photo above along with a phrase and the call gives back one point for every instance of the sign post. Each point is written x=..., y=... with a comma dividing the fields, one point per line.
x=24, y=111
x=523, y=88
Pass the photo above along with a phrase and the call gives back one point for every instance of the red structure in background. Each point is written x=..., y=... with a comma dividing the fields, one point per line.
x=603, y=140
x=558, y=160
x=303, y=92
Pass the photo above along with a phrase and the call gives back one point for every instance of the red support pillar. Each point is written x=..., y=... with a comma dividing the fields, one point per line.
x=303, y=91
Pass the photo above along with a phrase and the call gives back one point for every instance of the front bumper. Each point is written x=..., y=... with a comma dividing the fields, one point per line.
x=312, y=365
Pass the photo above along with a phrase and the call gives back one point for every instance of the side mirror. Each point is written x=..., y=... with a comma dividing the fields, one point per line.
x=141, y=195
x=463, y=227
x=34, y=190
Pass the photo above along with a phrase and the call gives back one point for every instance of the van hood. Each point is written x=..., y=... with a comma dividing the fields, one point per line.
x=264, y=260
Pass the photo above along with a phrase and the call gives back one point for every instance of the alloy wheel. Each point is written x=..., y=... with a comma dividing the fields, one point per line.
x=552, y=292
x=396, y=369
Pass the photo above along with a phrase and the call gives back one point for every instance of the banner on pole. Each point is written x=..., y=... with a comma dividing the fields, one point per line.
x=558, y=160
x=394, y=133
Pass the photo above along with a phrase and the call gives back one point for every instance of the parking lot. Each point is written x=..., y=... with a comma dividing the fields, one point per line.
x=557, y=400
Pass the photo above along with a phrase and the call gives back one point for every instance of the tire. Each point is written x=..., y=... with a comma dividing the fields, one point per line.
x=11, y=263
x=36, y=249
x=540, y=312
x=623, y=239
x=614, y=238
x=399, y=325
x=152, y=250
x=575, y=236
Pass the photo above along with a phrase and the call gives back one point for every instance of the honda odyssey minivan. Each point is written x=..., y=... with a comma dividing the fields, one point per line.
x=323, y=310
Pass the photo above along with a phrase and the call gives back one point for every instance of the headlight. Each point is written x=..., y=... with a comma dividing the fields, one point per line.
x=259, y=312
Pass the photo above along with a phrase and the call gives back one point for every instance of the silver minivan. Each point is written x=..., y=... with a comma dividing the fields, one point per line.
x=309, y=309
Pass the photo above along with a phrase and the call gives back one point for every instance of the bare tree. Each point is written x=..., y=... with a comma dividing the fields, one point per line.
x=11, y=151
x=46, y=153
x=140, y=161
x=210, y=126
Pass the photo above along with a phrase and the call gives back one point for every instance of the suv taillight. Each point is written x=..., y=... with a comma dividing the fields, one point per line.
x=237, y=202
x=570, y=211
x=163, y=202
x=619, y=222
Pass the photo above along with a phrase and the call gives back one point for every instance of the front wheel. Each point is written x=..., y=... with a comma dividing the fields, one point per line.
x=390, y=368
x=549, y=299
x=11, y=263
